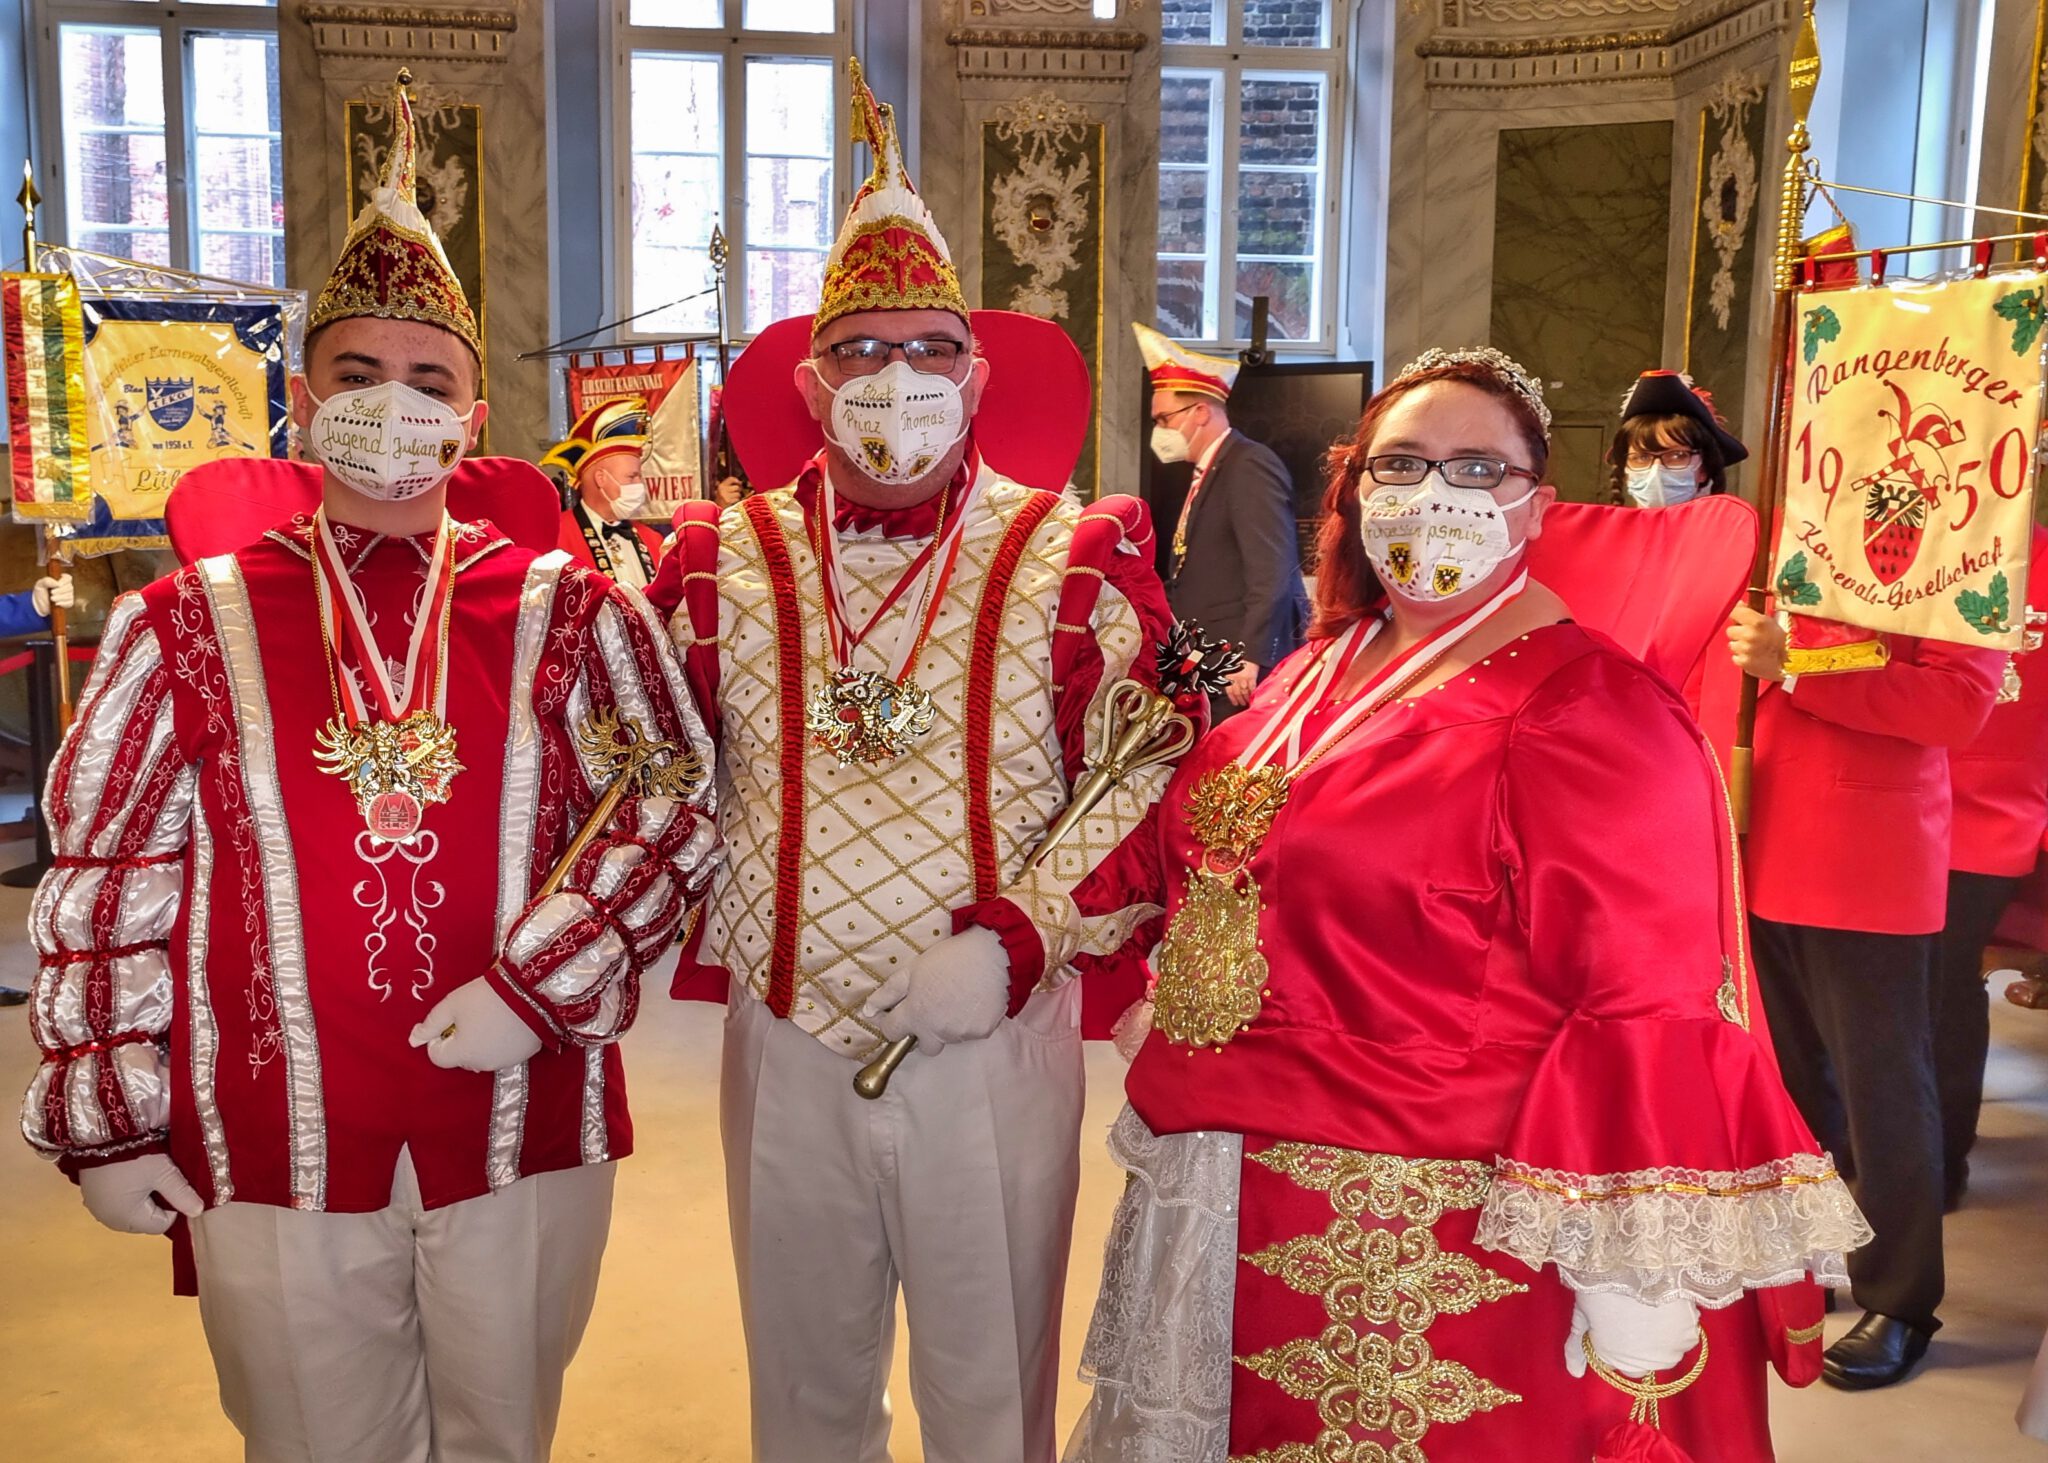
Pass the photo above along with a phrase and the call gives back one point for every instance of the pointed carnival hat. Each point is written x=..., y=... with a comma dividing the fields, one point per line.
x=1173, y=367
x=608, y=427
x=889, y=254
x=391, y=266
x=1672, y=394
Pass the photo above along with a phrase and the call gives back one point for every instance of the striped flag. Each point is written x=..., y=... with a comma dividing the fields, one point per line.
x=42, y=336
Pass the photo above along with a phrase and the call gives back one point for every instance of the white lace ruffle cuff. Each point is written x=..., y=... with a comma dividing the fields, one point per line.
x=1706, y=1235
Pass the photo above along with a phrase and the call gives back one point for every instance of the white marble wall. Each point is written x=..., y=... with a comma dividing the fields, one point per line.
x=492, y=53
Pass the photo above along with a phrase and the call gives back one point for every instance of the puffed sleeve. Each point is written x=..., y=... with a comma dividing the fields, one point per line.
x=1656, y=1151
x=571, y=963
x=1112, y=617
x=119, y=803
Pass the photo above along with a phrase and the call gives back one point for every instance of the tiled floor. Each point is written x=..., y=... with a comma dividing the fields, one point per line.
x=99, y=1362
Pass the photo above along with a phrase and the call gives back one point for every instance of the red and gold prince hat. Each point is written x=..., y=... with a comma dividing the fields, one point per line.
x=889, y=254
x=608, y=427
x=1173, y=367
x=391, y=266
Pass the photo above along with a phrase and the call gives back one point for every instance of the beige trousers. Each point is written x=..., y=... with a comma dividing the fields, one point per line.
x=959, y=1184
x=409, y=1335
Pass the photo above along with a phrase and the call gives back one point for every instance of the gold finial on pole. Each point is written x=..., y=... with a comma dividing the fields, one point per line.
x=28, y=198
x=1802, y=79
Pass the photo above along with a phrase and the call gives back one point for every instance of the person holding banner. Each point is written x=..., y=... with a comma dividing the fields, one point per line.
x=601, y=458
x=310, y=980
x=907, y=656
x=1450, y=1136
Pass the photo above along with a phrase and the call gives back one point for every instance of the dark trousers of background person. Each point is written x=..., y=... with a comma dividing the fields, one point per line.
x=1962, y=1012
x=1851, y=1015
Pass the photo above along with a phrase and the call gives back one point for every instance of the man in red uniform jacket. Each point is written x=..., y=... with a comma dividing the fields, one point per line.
x=2001, y=813
x=601, y=458
x=1849, y=832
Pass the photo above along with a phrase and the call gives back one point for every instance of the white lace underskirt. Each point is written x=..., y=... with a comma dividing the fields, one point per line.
x=1158, y=1349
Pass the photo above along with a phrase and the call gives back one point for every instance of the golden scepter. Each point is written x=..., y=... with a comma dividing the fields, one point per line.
x=614, y=746
x=1141, y=727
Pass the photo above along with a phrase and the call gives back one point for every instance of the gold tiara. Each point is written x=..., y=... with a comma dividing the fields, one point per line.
x=1507, y=369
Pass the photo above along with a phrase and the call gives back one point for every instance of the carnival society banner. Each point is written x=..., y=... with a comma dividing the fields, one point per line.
x=1909, y=470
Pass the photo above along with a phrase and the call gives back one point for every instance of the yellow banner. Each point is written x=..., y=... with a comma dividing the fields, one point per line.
x=1909, y=469
x=171, y=394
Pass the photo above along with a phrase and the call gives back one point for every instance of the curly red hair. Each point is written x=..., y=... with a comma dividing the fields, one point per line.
x=1346, y=588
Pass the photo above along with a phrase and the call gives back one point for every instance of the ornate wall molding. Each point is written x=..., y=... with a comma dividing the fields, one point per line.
x=1705, y=33
x=1549, y=12
x=1045, y=55
x=977, y=9
x=441, y=33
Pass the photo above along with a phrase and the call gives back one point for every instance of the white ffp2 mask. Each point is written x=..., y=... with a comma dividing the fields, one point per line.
x=388, y=441
x=1430, y=541
x=897, y=423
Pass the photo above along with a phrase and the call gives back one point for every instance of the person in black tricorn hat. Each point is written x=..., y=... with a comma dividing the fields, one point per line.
x=1672, y=446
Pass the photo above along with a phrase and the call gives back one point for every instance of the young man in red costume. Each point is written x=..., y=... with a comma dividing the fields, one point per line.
x=296, y=983
x=906, y=656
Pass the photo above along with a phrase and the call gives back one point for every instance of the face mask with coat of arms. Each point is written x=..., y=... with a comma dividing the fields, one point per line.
x=1431, y=541
x=388, y=441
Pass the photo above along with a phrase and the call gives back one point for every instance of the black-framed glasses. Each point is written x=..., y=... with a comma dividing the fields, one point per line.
x=931, y=355
x=1676, y=458
x=1161, y=418
x=1400, y=470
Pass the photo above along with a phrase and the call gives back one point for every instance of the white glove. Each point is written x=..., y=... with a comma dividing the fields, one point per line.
x=488, y=1035
x=957, y=990
x=50, y=591
x=1629, y=1335
x=124, y=1195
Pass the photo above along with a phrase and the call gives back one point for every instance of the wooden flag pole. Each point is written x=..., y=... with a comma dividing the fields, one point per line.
x=28, y=198
x=1804, y=76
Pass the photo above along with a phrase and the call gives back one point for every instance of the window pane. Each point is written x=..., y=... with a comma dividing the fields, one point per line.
x=678, y=12
x=1189, y=21
x=1184, y=211
x=1281, y=120
x=1290, y=292
x=114, y=142
x=1276, y=213
x=1286, y=22
x=814, y=16
x=789, y=180
x=678, y=187
x=1187, y=107
x=239, y=197
x=1183, y=299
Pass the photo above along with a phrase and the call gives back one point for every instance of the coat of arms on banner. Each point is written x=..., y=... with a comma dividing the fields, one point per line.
x=168, y=401
x=1909, y=478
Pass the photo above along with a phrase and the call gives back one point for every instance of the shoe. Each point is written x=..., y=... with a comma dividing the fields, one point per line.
x=1878, y=1351
x=9, y=996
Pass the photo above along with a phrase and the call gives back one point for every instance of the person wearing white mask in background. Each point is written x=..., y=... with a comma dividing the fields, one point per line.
x=1672, y=446
x=909, y=655
x=297, y=988
x=601, y=527
x=1448, y=1137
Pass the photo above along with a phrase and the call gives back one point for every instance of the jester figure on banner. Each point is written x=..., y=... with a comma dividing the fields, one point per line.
x=907, y=656
x=328, y=971
x=601, y=458
x=1902, y=564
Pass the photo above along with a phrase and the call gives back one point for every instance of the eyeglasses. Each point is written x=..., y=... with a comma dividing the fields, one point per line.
x=1677, y=458
x=1161, y=418
x=1399, y=470
x=933, y=355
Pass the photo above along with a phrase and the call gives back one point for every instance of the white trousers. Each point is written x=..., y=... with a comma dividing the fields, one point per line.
x=959, y=1182
x=408, y=1335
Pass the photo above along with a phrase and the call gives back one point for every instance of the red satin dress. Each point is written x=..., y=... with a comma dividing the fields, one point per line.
x=1505, y=1027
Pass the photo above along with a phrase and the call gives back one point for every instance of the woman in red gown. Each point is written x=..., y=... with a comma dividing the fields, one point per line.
x=1450, y=1087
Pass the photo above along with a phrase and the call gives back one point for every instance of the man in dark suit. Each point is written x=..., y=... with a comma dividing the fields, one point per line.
x=1234, y=564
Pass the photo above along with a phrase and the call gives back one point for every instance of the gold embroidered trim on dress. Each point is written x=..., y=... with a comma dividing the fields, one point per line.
x=1800, y=1335
x=1374, y=1276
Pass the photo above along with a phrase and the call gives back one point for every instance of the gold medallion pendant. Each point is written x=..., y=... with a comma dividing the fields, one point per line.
x=1212, y=977
x=394, y=770
x=1232, y=809
x=864, y=717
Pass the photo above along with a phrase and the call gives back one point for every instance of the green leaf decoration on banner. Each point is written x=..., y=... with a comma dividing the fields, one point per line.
x=1821, y=325
x=1793, y=586
x=2026, y=310
x=1987, y=614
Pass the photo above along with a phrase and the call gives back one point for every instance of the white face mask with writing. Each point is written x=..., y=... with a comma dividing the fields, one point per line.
x=388, y=441
x=897, y=423
x=1430, y=541
x=1658, y=486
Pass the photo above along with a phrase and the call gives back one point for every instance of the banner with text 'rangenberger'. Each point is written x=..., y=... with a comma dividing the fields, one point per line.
x=1909, y=465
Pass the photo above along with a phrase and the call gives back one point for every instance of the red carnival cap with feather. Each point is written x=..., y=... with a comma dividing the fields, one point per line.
x=392, y=267
x=1173, y=367
x=889, y=254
